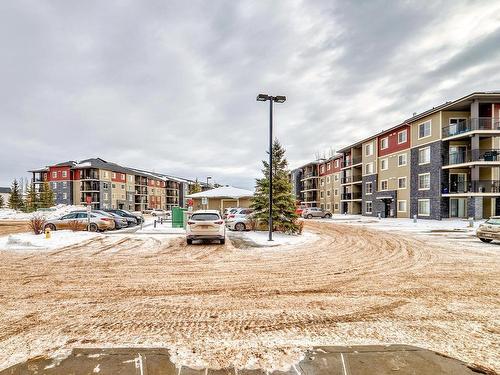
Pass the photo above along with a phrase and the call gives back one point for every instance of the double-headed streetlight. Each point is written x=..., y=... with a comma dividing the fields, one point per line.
x=272, y=99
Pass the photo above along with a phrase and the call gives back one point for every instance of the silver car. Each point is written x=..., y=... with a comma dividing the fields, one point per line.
x=239, y=219
x=311, y=212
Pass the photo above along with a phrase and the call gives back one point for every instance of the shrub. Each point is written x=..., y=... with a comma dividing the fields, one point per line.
x=76, y=225
x=36, y=223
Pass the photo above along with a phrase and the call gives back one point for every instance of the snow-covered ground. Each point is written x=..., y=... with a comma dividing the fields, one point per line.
x=166, y=228
x=260, y=238
x=51, y=213
x=29, y=241
x=407, y=225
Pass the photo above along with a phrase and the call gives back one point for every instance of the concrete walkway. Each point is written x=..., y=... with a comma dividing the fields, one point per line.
x=330, y=360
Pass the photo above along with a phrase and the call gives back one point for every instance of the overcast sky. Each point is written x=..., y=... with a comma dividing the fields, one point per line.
x=170, y=85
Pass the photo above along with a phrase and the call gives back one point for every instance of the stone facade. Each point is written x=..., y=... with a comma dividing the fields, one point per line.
x=434, y=167
x=369, y=197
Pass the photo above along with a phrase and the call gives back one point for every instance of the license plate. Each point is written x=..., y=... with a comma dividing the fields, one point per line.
x=487, y=235
x=204, y=226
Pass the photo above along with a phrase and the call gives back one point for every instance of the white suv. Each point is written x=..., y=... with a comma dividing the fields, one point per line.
x=205, y=225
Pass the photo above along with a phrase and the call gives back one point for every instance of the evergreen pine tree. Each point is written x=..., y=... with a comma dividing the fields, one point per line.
x=15, y=199
x=2, y=203
x=31, y=198
x=195, y=188
x=284, y=216
x=46, y=196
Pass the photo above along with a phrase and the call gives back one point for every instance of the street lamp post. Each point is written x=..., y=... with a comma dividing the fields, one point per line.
x=208, y=178
x=272, y=99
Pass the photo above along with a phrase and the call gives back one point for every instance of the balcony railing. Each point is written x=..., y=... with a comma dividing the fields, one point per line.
x=349, y=179
x=89, y=186
x=476, y=186
x=468, y=156
x=350, y=196
x=352, y=161
x=471, y=124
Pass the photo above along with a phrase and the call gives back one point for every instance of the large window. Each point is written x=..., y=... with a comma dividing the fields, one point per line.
x=384, y=185
x=384, y=143
x=424, y=207
x=368, y=207
x=369, y=188
x=401, y=206
x=384, y=164
x=402, y=160
x=402, y=136
x=424, y=181
x=424, y=129
x=401, y=182
x=424, y=155
x=369, y=149
x=369, y=168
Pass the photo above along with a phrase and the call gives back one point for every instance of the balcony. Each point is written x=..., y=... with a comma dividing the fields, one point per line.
x=350, y=196
x=309, y=175
x=351, y=179
x=477, y=186
x=472, y=124
x=89, y=176
x=353, y=161
x=141, y=190
x=89, y=186
x=472, y=156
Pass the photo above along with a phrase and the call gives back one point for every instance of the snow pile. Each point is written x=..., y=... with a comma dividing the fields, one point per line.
x=260, y=238
x=54, y=212
x=29, y=241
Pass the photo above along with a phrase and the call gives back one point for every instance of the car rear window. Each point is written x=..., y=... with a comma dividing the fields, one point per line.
x=493, y=221
x=205, y=217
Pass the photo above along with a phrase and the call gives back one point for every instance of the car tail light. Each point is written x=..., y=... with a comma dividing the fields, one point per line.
x=231, y=216
x=219, y=222
x=105, y=219
x=190, y=222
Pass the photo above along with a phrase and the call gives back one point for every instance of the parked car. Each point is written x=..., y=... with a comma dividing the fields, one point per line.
x=98, y=222
x=489, y=230
x=311, y=212
x=205, y=225
x=120, y=222
x=131, y=219
x=161, y=213
x=239, y=220
x=138, y=215
x=227, y=211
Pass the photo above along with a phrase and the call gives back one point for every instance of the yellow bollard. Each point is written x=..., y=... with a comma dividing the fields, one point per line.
x=47, y=233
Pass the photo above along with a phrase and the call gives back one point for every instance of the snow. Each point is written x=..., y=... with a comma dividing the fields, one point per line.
x=54, y=212
x=165, y=228
x=223, y=192
x=260, y=238
x=85, y=164
x=29, y=241
x=406, y=225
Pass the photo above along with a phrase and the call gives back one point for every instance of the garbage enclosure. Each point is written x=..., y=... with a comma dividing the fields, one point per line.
x=178, y=217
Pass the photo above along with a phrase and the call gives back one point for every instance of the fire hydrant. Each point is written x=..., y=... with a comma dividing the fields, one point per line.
x=47, y=233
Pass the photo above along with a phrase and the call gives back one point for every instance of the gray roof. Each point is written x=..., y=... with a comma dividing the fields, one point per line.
x=5, y=190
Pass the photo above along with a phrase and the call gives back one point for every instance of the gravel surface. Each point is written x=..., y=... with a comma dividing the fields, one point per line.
x=220, y=305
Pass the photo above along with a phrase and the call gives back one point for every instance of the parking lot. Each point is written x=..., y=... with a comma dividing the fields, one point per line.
x=232, y=305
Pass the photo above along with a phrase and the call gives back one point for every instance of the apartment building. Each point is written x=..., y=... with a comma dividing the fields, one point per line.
x=441, y=163
x=305, y=184
x=329, y=184
x=109, y=185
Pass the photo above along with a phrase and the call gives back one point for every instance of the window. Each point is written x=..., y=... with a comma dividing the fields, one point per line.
x=424, y=129
x=105, y=174
x=328, y=193
x=123, y=187
x=65, y=196
x=424, y=155
x=401, y=182
x=328, y=206
x=104, y=185
x=114, y=175
x=329, y=166
x=65, y=184
x=54, y=185
x=337, y=163
x=368, y=207
x=384, y=184
x=424, y=207
x=401, y=206
x=336, y=206
x=369, y=168
x=336, y=177
x=131, y=178
x=113, y=186
x=402, y=136
x=322, y=169
x=402, y=160
x=122, y=177
x=322, y=206
x=322, y=194
x=369, y=149
x=384, y=165
x=65, y=173
x=322, y=182
x=328, y=179
x=54, y=174
x=105, y=196
x=131, y=198
x=336, y=192
x=384, y=143
x=369, y=188
x=424, y=181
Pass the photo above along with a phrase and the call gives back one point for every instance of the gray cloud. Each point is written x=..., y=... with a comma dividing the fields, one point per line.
x=171, y=86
